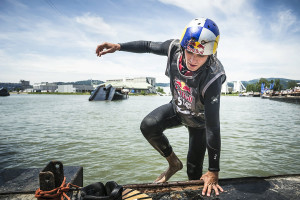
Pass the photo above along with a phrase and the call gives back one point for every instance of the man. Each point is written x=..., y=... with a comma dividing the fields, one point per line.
x=196, y=77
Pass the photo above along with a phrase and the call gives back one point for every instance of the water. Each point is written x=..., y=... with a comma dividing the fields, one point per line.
x=260, y=137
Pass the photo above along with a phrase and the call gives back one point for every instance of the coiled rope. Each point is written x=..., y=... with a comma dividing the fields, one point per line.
x=57, y=193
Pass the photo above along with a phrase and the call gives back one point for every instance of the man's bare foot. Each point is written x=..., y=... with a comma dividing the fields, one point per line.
x=174, y=165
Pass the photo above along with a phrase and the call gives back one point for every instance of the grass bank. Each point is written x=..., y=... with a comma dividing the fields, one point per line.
x=233, y=94
x=61, y=93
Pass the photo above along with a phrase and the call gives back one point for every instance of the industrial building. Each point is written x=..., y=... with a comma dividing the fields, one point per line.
x=74, y=88
x=22, y=85
x=134, y=85
x=44, y=87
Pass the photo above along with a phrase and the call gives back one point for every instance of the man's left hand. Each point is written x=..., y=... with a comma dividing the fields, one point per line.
x=211, y=183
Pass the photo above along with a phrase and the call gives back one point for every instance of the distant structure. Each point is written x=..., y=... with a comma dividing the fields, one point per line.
x=25, y=84
x=22, y=85
x=69, y=88
x=224, y=89
x=238, y=86
x=75, y=88
x=135, y=85
x=44, y=87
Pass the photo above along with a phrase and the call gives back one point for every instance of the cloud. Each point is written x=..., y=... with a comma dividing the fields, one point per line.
x=251, y=44
x=211, y=9
x=285, y=22
x=18, y=5
x=40, y=68
x=62, y=47
x=95, y=24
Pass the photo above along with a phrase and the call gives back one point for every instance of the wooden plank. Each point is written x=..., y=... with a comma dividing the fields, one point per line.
x=130, y=194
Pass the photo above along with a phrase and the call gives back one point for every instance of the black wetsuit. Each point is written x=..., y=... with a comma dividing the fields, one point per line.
x=195, y=104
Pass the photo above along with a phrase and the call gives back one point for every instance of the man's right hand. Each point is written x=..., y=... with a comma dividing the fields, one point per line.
x=211, y=183
x=106, y=47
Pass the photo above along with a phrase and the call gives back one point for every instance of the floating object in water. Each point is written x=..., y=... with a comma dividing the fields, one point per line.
x=4, y=92
x=102, y=93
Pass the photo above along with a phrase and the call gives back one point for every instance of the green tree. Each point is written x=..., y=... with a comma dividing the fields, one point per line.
x=143, y=92
x=277, y=85
x=250, y=88
x=259, y=83
x=291, y=84
x=265, y=81
x=160, y=90
x=256, y=87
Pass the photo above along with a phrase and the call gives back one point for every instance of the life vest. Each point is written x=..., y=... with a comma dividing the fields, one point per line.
x=189, y=91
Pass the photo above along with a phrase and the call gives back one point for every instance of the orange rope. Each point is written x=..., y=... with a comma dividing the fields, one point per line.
x=55, y=194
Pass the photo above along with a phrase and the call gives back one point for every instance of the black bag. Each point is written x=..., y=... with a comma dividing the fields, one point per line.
x=97, y=191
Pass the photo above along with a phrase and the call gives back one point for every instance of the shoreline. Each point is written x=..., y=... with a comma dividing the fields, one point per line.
x=87, y=93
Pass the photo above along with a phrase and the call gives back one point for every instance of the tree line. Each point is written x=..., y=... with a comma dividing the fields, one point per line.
x=256, y=87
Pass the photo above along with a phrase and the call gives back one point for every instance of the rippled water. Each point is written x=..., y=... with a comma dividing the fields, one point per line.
x=260, y=137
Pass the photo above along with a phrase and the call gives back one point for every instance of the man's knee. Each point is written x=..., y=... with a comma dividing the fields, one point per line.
x=149, y=126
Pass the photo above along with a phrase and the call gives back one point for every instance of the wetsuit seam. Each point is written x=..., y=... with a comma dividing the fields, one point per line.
x=211, y=81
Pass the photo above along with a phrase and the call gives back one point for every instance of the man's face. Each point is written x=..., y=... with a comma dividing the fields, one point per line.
x=194, y=61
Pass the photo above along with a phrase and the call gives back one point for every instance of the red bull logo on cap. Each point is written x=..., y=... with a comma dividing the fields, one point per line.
x=195, y=47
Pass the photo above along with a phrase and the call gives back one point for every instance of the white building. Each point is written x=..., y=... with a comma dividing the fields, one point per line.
x=74, y=88
x=44, y=87
x=238, y=86
x=225, y=88
x=134, y=85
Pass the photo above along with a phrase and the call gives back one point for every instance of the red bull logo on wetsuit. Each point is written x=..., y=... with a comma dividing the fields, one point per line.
x=195, y=47
x=184, y=92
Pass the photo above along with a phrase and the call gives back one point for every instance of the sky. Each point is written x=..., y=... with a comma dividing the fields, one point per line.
x=54, y=40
